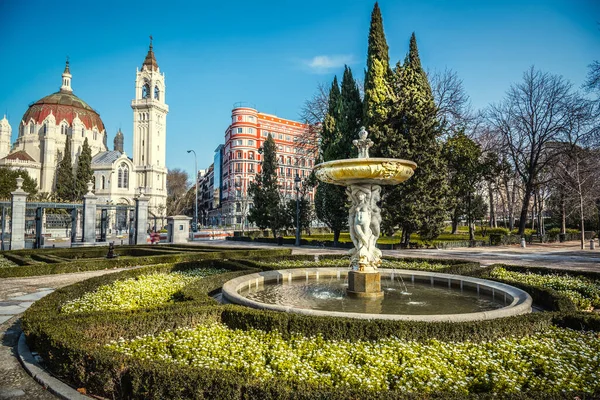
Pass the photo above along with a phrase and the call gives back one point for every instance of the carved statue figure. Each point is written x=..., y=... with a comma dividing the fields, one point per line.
x=360, y=223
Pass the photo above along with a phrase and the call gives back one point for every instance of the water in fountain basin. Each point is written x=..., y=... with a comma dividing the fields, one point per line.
x=331, y=296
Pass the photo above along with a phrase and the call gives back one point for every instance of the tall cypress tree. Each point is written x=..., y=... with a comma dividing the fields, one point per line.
x=268, y=211
x=84, y=172
x=65, y=184
x=378, y=89
x=330, y=202
x=342, y=123
x=419, y=204
x=350, y=119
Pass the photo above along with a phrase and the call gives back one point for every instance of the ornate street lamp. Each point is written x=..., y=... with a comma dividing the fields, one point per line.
x=297, y=181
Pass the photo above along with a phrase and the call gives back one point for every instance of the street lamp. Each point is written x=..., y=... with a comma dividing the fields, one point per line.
x=195, y=227
x=297, y=185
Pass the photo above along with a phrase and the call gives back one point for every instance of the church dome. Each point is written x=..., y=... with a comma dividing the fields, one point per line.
x=64, y=105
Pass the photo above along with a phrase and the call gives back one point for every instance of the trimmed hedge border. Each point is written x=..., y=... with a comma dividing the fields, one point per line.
x=126, y=261
x=72, y=345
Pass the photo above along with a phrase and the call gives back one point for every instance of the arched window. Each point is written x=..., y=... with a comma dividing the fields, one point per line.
x=31, y=127
x=146, y=91
x=45, y=129
x=123, y=176
x=156, y=92
x=103, y=182
x=82, y=132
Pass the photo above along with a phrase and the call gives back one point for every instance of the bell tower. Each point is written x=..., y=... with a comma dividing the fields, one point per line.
x=5, y=136
x=150, y=134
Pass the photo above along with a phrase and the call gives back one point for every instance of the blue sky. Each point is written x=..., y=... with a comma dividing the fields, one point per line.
x=272, y=53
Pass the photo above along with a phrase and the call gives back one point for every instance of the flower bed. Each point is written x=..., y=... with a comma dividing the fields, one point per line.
x=554, y=360
x=583, y=292
x=196, y=348
x=144, y=291
x=4, y=263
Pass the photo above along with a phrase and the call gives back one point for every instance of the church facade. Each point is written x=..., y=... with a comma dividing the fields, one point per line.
x=49, y=122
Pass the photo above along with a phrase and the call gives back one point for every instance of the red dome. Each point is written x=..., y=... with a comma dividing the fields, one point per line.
x=64, y=105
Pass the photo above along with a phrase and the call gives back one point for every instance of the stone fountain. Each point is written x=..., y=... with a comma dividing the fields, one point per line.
x=363, y=177
x=358, y=292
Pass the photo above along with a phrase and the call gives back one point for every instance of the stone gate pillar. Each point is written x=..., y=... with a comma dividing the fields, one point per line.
x=17, y=219
x=89, y=215
x=141, y=217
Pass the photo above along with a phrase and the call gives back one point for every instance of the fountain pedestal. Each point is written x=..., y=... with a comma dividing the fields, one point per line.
x=363, y=177
x=364, y=284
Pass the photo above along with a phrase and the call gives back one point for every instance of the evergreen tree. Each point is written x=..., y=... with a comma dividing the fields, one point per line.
x=84, y=172
x=268, y=210
x=466, y=172
x=419, y=204
x=342, y=123
x=65, y=184
x=8, y=182
x=379, y=95
x=350, y=118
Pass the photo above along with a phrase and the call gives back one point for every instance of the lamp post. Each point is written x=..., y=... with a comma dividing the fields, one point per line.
x=297, y=185
x=195, y=227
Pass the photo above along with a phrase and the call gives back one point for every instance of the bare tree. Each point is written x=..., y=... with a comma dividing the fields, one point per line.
x=577, y=166
x=177, y=185
x=453, y=103
x=534, y=115
x=313, y=113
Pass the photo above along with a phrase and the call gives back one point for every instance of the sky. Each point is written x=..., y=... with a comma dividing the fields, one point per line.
x=271, y=54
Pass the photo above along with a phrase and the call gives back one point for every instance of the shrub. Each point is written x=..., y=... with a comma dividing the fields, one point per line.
x=73, y=346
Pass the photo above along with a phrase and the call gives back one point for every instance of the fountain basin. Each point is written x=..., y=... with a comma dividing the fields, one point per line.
x=375, y=171
x=509, y=300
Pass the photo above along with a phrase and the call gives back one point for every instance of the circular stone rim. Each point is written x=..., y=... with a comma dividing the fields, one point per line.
x=521, y=304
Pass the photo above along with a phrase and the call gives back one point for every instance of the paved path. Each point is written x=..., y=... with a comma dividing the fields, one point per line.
x=17, y=294
x=553, y=255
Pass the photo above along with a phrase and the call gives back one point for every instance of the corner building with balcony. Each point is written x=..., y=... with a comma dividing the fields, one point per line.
x=241, y=159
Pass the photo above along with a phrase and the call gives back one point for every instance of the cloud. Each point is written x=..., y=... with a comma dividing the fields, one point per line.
x=321, y=64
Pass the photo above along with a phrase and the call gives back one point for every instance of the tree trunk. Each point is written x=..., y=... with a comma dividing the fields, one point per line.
x=563, y=216
x=525, y=209
x=336, y=237
x=582, y=227
x=455, y=218
x=492, y=208
x=470, y=219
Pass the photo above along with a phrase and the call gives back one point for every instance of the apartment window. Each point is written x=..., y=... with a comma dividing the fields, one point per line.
x=250, y=142
x=239, y=154
x=288, y=138
x=250, y=130
x=280, y=136
x=265, y=133
x=281, y=171
x=288, y=149
x=239, y=142
x=289, y=172
x=240, y=130
x=250, y=155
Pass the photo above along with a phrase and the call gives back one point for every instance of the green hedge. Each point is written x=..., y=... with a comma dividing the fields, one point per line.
x=73, y=345
x=124, y=261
